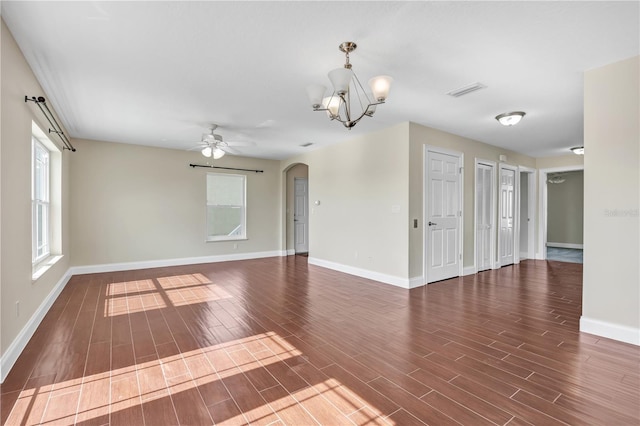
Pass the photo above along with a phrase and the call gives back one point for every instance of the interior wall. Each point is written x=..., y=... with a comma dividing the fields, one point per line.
x=362, y=186
x=611, y=293
x=15, y=195
x=565, y=209
x=421, y=136
x=297, y=171
x=135, y=203
x=560, y=161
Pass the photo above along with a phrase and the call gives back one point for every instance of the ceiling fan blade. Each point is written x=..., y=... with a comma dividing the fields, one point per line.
x=240, y=143
x=230, y=150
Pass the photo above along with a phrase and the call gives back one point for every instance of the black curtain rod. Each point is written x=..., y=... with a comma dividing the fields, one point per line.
x=40, y=101
x=226, y=168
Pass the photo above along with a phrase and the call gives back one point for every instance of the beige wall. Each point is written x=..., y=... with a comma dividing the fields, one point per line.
x=569, y=160
x=357, y=187
x=565, y=209
x=297, y=171
x=133, y=203
x=611, y=292
x=358, y=183
x=15, y=168
x=421, y=136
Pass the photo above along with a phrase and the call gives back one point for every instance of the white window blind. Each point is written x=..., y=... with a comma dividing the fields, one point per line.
x=40, y=202
x=226, y=207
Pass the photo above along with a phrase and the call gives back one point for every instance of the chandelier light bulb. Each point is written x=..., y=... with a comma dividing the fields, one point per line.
x=206, y=151
x=218, y=154
x=380, y=86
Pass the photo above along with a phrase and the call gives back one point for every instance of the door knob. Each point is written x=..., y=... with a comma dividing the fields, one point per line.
x=432, y=223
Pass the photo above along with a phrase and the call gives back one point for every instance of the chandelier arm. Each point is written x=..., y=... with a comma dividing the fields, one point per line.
x=347, y=105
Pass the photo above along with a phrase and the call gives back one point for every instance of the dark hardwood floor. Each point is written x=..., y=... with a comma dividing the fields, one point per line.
x=275, y=341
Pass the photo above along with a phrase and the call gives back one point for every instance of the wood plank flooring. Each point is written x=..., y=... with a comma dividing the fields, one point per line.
x=277, y=341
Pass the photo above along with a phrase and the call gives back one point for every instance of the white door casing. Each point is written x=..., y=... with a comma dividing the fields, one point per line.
x=301, y=215
x=506, y=240
x=443, y=228
x=485, y=215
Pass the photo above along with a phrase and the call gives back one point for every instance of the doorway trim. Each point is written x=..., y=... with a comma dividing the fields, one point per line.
x=531, y=204
x=425, y=173
x=494, y=195
x=542, y=226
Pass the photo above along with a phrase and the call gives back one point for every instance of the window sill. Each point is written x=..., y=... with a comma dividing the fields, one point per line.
x=44, y=265
x=218, y=239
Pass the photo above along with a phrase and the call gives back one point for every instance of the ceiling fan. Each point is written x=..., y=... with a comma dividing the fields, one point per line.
x=213, y=145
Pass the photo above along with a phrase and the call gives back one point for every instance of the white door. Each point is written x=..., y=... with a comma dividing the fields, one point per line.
x=484, y=216
x=301, y=215
x=442, y=219
x=507, y=215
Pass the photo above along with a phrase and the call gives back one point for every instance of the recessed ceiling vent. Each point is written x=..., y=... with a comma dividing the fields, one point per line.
x=304, y=145
x=465, y=90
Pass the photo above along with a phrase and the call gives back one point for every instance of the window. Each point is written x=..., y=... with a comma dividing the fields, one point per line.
x=41, y=176
x=226, y=210
x=46, y=203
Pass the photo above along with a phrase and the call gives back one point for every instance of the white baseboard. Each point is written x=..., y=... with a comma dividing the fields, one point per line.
x=416, y=282
x=566, y=245
x=469, y=270
x=16, y=347
x=622, y=333
x=365, y=273
x=290, y=252
x=128, y=266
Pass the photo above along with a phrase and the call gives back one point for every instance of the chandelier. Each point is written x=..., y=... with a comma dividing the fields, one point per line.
x=349, y=101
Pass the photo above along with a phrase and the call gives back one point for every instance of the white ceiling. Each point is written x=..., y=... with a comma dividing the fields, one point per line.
x=155, y=73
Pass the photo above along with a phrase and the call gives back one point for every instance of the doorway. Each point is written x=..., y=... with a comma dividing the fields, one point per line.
x=565, y=212
x=443, y=214
x=545, y=175
x=296, y=239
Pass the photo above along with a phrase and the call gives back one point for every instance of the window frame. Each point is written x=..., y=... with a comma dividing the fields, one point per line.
x=243, y=224
x=40, y=250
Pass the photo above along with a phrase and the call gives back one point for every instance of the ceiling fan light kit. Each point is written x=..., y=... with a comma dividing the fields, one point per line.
x=349, y=101
x=214, y=144
x=510, y=118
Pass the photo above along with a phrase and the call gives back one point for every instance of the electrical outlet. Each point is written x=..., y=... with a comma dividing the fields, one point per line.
x=17, y=308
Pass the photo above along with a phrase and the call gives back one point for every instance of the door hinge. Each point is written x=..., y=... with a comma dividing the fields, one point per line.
x=460, y=256
x=459, y=213
x=460, y=169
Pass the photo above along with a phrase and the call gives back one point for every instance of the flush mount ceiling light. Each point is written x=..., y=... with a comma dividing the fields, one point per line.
x=349, y=101
x=510, y=118
x=579, y=150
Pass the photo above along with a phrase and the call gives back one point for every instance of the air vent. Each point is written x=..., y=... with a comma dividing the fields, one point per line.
x=465, y=90
x=304, y=145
